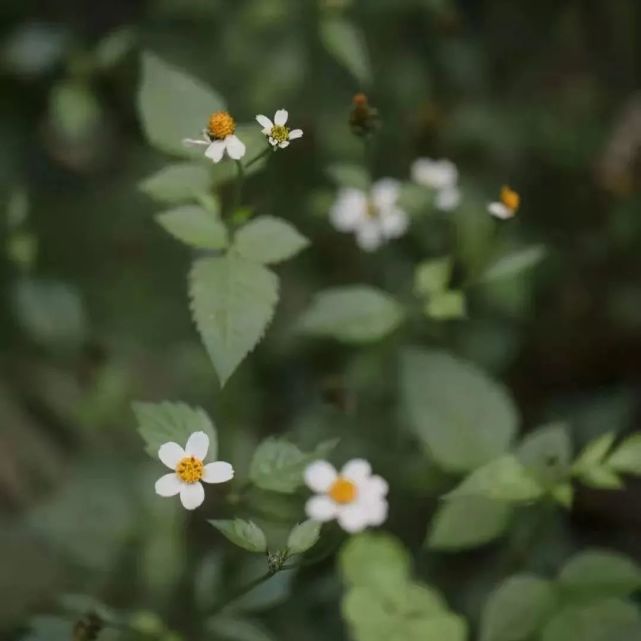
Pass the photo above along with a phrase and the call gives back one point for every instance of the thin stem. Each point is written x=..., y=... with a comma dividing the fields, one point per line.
x=244, y=589
x=256, y=158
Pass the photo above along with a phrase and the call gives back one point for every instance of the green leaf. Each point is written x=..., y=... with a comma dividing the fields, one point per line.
x=347, y=45
x=503, y=479
x=432, y=276
x=601, y=478
x=278, y=465
x=160, y=423
x=349, y=175
x=244, y=534
x=594, y=453
x=563, y=493
x=269, y=240
x=600, y=573
x=173, y=105
x=446, y=305
x=626, y=458
x=195, y=226
x=353, y=314
x=303, y=537
x=235, y=629
x=178, y=182
x=232, y=302
x=513, y=263
x=463, y=417
x=517, y=609
x=547, y=454
x=451, y=524
x=113, y=47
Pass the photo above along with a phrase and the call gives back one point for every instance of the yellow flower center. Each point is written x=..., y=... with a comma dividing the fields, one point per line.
x=190, y=469
x=343, y=490
x=510, y=198
x=221, y=125
x=280, y=133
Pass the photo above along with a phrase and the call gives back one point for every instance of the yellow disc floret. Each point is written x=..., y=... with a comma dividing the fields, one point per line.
x=343, y=490
x=280, y=133
x=190, y=469
x=220, y=125
x=510, y=198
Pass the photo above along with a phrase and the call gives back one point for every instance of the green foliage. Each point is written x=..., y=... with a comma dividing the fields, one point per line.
x=432, y=276
x=626, y=458
x=268, y=240
x=232, y=302
x=238, y=629
x=195, y=226
x=346, y=44
x=593, y=469
x=446, y=305
x=349, y=175
x=244, y=534
x=303, y=537
x=160, y=423
x=514, y=263
x=178, y=182
x=459, y=436
x=353, y=314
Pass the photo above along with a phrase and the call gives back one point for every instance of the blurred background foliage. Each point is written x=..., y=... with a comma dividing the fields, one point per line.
x=544, y=95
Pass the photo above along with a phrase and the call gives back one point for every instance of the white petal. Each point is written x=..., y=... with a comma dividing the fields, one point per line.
x=377, y=512
x=284, y=144
x=295, y=133
x=500, y=210
x=376, y=486
x=435, y=174
x=357, y=470
x=448, y=199
x=349, y=209
x=273, y=142
x=191, y=142
x=369, y=235
x=235, y=147
x=192, y=495
x=197, y=445
x=385, y=192
x=320, y=475
x=281, y=117
x=170, y=454
x=216, y=150
x=321, y=508
x=168, y=485
x=265, y=123
x=218, y=472
x=353, y=517
x=394, y=222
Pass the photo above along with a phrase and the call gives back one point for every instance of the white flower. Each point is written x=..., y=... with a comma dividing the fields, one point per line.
x=354, y=497
x=278, y=134
x=189, y=469
x=374, y=217
x=507, y=206
x=219, y=138
x=441, y=176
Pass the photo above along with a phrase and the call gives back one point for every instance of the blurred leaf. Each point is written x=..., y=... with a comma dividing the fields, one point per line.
x=547, y=454
x=113, y=47
x=517, y=609
x=303, y=537
x=451, y=529
x=74, y=110
x=165, y=422
x=264, y=596
x=269, y=240
x=244, y=534
x=591, y=467
x=446, y=305
x=34, y=48
x=195, y=226
x=232, y=302
x=346, y=44
x=626, y=458
x=173, y=105
x=349, y=175
x=178, y=182
x=601, y=478
x=513, y=263
x=236, y=629
x=432, y=276
x=353, y=314
x=49, y=628
x=462, y=416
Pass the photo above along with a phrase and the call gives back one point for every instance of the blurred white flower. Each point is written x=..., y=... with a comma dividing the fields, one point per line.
x=374, y=217
x=441, y=176
x=278, y=134
x=355, y=497
x=507, y=206
x=189, y=470
x=219, y=138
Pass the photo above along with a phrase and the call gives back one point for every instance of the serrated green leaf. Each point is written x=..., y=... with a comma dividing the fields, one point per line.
x=432, y=276
x=232, y=302
x=517, y=609
x=173, y=105
x=451, y=524
x=303, y=537
x=160, y=423
x=503, y=479
x=349, y=175
x=194, y=226
x=463, y=417
x=269, y=240
x=513, y=263
x=546, y=453
x=353, y=314
x=178, y=182
x=626, y=458
x=346, y=44
x=446, y=305
x=244, y=534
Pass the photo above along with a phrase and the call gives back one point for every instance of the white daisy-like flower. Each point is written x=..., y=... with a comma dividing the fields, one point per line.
x=507, y=206
x=441, y=176
x=219, y=137
x=189, y=470
x=373, y=217
x=278, y=134
x=355, y=497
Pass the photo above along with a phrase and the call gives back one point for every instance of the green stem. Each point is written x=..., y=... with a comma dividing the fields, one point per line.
x=244, y=589
x=256, y=158
x=240, y=180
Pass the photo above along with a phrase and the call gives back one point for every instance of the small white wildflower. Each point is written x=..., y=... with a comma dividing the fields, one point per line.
x=374, y=217
x=441, y=176
x=189, y=470
x=277, y=133
x=219, y=137
x=355, y=497
x=507, y=206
